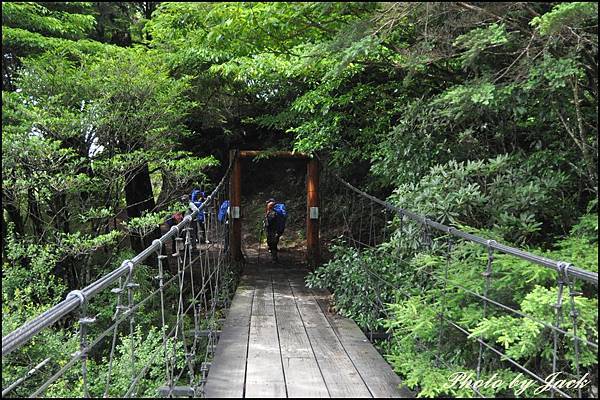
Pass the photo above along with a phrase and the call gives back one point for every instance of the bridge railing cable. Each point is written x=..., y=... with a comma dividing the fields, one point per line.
x=201, y=280
x=368, y=223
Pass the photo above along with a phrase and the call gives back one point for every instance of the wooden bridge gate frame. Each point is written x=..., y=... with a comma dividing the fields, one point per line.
x=312, y=201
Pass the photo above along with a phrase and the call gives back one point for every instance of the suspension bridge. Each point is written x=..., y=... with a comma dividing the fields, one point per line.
x=243, y=329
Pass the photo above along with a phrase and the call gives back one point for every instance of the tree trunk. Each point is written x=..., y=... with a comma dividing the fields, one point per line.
x=139, y=197
x=168, y=189
x=13, y=214
x=34, y=213
x=4, y=234
x=61, y=213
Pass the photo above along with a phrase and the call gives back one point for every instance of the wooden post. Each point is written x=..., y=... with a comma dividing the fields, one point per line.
x=312, y=212
x=235, y=198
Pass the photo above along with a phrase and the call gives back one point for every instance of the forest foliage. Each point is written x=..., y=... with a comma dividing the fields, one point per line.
x=478, y=115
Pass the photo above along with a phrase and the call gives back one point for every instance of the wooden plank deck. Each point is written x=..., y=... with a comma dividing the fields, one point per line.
x=280, y=340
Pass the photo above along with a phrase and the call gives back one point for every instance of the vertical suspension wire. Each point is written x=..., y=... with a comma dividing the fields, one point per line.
x=206, y=271
x=425, y=236
x=383, y=220
x=84, y=321
x=196, y=221
x=214, y=228
x=443, y=310
x=209, y=318
x=369, y=282
x=208, y=221
x=371, y=217
x=222, y=228
x=191, y=264
x=487, y=279
x=212, y=255
x=368, y=290
x=210, y=315
x=558, y=317
x=204, y=226
x=385, y=225
x=192, y=350
x=351, y=218
x=188, y=263
x=205, y=319
x=215, y=259
x=324, y=223
x=213, y=280
x=401, y=235
x=574, y=315
x=378, y=289
x=425, y=245
x=346, y=199
x=196, y=326
x=119, y=307
x=385, y=229
x=179, y=324
x=362, y=209
x=419, y=238
x=347, y=215
x=131, y=286
x=212, y=319
x=160, y=258
x=173, y=360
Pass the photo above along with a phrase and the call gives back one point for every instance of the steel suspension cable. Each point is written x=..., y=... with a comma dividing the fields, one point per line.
x=575, y=273
x=80, y=298
x=17, y=338
x=588, y=276
x=484, y=298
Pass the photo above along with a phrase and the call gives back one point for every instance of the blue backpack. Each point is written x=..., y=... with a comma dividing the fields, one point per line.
x=281, y=213
x=223, y=211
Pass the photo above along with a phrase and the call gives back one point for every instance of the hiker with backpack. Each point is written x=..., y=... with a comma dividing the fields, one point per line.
x=274, y=223
x=173, y=220
x=223, y=218
x=197, y=197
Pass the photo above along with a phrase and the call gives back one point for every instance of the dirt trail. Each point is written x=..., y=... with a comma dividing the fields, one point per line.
x=290, y=252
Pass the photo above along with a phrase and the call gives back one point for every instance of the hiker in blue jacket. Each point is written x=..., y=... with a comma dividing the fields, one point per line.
x=274, y=222
x=223, y=218
x=197, y=197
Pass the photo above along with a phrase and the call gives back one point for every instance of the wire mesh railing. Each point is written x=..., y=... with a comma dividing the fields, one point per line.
x=121, y=354
x=377, y=230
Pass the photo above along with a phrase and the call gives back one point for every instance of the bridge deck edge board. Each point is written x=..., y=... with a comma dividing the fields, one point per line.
x=340, y=375
x=226, y=376
x=378, y=375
